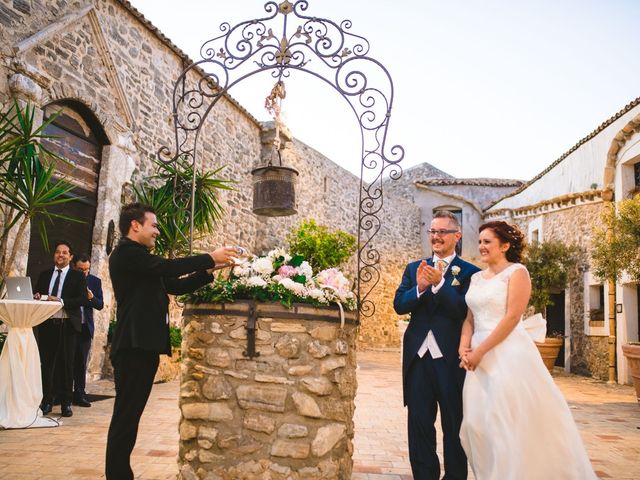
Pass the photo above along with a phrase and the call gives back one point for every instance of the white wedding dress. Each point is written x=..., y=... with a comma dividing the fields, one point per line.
x=516, y=424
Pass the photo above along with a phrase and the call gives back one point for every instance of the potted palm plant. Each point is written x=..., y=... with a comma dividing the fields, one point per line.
x=549, y=264
x=617, y=250
x=29, y=184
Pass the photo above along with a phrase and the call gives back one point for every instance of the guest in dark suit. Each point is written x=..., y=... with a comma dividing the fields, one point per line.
x=57, y=335
x=433, y=291
x=141, y=282
x=82, y=263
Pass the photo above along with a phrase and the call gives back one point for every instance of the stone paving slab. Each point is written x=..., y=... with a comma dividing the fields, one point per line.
x=608, y=417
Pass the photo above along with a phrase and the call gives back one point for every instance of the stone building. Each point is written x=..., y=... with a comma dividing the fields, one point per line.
x=111, y=72
x=432, y=189
x=566, y=202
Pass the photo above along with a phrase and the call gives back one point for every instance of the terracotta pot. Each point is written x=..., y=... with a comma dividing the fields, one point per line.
x=549, y=351
x=631, y=352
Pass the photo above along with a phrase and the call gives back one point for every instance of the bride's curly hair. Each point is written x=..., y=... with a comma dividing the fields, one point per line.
x=510, y=234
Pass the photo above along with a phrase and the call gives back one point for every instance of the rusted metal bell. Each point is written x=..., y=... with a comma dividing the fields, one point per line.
x=274, y=193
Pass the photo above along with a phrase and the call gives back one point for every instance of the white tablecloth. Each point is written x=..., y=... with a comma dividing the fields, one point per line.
x=20, y=377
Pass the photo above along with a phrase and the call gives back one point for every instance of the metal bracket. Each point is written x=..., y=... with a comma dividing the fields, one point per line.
x=251, y=333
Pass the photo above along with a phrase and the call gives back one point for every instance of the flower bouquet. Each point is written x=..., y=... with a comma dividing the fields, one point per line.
x=278, y=277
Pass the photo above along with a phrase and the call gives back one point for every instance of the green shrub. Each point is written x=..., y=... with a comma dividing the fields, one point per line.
x=549, y=264
x=620, y=250
x=321, y=247
x=175, y=335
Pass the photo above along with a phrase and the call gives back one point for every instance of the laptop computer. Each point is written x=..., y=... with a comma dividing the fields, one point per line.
x=19, y=288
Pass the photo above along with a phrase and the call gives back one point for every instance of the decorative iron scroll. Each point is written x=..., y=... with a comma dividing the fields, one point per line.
x=287, y=39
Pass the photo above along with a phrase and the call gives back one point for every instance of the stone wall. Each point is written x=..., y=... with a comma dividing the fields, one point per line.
x=107, y=57
x=286, y=414
x=574, y=224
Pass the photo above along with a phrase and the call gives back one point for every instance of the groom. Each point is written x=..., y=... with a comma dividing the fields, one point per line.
x=433, y=291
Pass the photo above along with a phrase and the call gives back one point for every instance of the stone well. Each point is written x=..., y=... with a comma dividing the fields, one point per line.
x=284, y=414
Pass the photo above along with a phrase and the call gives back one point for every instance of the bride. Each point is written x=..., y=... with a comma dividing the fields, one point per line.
x=516, y=424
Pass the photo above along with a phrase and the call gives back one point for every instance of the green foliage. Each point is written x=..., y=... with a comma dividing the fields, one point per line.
x=111, y=330
x=28, y=188
x=321, y=247
x=175, y=336
x=169, y=193
x=620, y=251
x=549, y=265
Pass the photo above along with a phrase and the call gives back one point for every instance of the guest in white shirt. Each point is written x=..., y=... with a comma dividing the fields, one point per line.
x=57, y=335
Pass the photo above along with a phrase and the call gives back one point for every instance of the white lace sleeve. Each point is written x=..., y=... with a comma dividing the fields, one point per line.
x=505, y=275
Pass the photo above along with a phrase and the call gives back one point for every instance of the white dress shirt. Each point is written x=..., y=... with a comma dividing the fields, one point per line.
x=430, y=344
x=63, y=275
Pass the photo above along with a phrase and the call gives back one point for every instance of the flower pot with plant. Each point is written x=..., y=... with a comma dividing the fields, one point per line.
x=549, y=264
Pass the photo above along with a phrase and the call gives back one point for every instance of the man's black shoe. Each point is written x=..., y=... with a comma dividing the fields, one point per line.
x=66, y=411
x=46, y=408
x=81, y=402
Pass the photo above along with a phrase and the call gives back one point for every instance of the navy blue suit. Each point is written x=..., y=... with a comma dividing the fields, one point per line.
x=83, y=343
x=429, y=382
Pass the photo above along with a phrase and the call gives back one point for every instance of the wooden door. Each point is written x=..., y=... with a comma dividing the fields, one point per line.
x=79, y=139
x=555, y=322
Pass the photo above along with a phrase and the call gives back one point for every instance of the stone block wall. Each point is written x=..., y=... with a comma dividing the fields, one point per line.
x=575, y=225
x=286, y=414
x=107, y=57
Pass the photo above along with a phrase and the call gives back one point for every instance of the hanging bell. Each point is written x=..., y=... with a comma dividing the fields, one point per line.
x=274, y=192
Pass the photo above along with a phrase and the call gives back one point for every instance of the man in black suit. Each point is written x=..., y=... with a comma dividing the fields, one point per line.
x=141, y=282
x=433, y=291
x=82, y=263
x=57, y=335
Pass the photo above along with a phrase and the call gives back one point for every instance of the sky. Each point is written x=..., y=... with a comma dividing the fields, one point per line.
x=483, y=88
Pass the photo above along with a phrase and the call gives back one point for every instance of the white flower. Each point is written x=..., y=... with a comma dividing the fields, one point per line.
x=305, y=269
x=256, y=281
x=455, y=270
x=316, y=294
x=295, y=287
x=241, y=270
x=278, y=252
x=263, y=266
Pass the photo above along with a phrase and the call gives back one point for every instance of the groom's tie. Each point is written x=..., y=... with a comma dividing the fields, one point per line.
x=441, y=264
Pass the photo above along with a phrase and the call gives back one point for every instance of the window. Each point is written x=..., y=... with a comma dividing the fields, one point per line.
x=535, y=236
x=596, y=304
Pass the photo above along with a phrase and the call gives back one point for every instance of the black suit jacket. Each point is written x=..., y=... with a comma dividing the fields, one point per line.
x=97, y=303
x=141, y=282
x=74, y=293
x=443, y=313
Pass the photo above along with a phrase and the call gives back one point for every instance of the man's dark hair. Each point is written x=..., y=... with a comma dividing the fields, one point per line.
x=131, y=212
x=82, y=257
x=62, y=242
x=447, y=214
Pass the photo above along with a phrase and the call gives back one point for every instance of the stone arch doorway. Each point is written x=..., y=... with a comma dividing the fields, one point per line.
x=80, y=138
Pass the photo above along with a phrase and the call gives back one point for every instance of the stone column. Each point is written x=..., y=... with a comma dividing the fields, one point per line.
x=116, y=169
x=285, y=414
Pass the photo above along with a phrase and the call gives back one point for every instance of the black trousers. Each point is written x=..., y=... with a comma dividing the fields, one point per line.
x=432, y=383
x=57, y=347
x=83, y=346
x=134, y=371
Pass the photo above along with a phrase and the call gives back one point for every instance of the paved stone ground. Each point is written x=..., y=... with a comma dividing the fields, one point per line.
x=608, y=417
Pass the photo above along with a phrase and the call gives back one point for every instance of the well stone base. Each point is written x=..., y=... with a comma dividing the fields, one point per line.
x=285, y=414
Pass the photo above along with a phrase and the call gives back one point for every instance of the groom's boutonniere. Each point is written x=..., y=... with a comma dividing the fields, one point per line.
x=455, y=270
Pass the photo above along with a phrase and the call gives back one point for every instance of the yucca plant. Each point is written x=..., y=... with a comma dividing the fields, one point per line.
x=169, y=193
x=28, y=188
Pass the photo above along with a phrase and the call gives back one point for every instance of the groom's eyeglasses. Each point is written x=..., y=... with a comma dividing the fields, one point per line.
x=441, y=232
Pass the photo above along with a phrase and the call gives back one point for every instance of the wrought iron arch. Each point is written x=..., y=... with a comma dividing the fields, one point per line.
x=316, y=46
